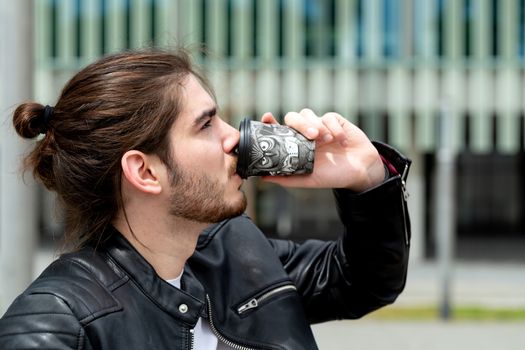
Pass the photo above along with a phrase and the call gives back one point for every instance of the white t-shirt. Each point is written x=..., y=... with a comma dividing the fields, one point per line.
x=204, y=339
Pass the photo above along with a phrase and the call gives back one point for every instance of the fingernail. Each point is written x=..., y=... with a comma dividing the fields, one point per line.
x=311, y=132
x=327, y=138
x=344, y=143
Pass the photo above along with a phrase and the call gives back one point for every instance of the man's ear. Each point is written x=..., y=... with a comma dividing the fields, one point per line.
x=141, y=171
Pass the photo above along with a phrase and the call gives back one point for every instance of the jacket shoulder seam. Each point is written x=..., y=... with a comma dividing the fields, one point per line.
x=73, y=334
x=23, y=314
x=99, y=312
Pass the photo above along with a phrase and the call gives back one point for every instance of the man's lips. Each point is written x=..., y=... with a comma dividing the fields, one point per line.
x=233, y=168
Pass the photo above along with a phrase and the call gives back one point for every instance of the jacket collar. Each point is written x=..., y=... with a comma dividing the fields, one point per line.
x=128, y=260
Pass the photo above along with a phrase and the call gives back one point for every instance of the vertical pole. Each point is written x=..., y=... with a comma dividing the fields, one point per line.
x=17, y=197
x=445, y=217
x=373, y=90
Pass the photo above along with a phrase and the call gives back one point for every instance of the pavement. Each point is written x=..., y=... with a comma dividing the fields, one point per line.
x=480, y=284
x=431, y=335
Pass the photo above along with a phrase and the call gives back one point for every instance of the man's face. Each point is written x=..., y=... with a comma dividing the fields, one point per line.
x=204, y=183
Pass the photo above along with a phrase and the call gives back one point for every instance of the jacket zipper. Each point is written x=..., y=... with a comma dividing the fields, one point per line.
x=192, y=338
x=254, y=302
x=220, y=336
x=404, y=198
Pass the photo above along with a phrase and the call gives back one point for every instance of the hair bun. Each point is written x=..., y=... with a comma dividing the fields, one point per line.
x=31, y=119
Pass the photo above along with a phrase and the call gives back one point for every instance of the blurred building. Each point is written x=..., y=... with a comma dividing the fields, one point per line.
x=394, y=67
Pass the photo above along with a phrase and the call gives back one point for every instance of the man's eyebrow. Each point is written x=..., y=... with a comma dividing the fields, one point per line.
x=205, y=115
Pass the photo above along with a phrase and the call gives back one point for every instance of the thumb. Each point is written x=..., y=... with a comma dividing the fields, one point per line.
x=268, y=118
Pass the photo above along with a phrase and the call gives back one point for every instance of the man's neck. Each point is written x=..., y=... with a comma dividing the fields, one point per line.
x=165, y=244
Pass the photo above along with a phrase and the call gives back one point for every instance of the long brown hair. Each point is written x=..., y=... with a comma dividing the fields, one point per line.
x=123, y=101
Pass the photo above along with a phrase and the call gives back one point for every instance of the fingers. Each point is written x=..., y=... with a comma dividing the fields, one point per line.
x=301, y=124
x=328, y=128
x=335, y=124
x=308, y=124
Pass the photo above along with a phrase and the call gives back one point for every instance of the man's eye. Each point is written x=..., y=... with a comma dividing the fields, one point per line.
x=207, y=124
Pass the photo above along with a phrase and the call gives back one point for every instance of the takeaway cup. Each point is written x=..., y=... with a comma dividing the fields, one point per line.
x=272, y=149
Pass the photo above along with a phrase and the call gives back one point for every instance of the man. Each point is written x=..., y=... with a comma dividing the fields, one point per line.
x=162, y=256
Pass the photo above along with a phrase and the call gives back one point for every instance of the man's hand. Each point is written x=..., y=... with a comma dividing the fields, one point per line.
x=344, y=156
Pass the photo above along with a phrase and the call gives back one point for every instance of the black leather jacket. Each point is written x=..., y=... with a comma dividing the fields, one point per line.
x=255, y=292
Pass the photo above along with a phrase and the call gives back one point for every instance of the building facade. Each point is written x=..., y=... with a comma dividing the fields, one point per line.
x=397, y=68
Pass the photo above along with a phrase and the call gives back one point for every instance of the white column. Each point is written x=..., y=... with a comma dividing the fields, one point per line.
x=17, y=197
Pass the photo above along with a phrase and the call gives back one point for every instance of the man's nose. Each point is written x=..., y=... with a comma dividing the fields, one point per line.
x=231, y=139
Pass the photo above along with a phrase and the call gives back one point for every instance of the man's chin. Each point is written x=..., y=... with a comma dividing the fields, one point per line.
x=229, y=211
x=240, y=207
x=237, y=208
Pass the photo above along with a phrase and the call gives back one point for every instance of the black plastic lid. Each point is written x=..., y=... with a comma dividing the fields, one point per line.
x=244, y=148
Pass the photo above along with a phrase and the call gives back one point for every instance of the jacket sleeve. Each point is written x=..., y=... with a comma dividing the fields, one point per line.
x=366, y=268
x=49, y=325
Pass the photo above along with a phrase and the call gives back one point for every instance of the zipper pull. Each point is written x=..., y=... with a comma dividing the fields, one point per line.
x=249, y=305
x=404, y=190
x=403, y=183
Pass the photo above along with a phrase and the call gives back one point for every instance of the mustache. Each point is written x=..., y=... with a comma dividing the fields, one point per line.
x=233, y=167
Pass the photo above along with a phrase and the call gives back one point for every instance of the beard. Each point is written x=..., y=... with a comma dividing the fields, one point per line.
x=197, y=197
